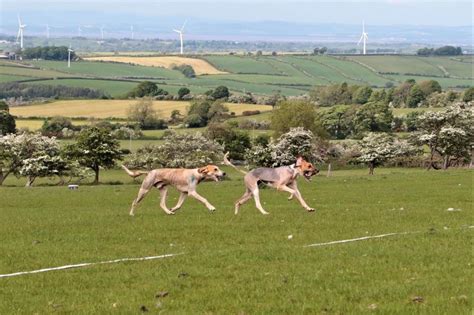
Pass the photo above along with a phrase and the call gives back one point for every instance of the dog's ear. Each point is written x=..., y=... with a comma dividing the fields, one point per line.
x=203, y=170
x=299, y=160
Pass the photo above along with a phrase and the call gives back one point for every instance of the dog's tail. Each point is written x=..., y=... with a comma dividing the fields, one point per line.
x=227, y=162
x=133, y=173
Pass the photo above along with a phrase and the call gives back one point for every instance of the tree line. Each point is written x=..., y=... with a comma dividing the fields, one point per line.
x=48, y=53
x=441, y=51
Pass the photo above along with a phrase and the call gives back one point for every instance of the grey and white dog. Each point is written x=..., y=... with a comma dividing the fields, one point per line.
x=282, y=178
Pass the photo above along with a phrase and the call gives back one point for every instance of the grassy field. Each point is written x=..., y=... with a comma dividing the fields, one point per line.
x=244, y=264
x=108, y=69
x=263, y=75
x=112, y=108
x=200, y=66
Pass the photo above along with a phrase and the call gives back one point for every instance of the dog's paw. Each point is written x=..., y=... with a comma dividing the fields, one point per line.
x=310, y=209
x=212, y=209
x=170, y=213
x=290, y=198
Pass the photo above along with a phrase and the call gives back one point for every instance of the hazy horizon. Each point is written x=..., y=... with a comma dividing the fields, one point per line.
x=386, y=20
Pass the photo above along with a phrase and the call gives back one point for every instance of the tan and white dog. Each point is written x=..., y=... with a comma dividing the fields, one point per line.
x=282, y=178
x=184, y=180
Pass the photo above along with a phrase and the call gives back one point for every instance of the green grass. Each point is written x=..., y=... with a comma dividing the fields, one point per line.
x=240, y=64
x=265, y=75
x=444, y=82
x=114, y=88
x=108, y=70
x=403, y=111
x=244, y=264
x=400, y=64
x=11, y=78
x=31, y=72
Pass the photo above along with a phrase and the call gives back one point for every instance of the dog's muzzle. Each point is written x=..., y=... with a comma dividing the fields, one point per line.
x=218, y=177
x=308, y=174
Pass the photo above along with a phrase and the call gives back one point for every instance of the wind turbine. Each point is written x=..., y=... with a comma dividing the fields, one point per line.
x=21, y=29
x=102, y=32
x=363, y=38
x=131, y=29
x=79, y=31
x=47, y=30
x=181, y=32
x=69, y=51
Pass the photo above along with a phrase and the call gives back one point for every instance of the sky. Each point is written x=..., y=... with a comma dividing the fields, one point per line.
x=375, y=12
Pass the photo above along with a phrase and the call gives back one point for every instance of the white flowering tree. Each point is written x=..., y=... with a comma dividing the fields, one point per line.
x=178, y=150
x=448, y=134
x=375, y=149
x=30, y=155
x=296, y=142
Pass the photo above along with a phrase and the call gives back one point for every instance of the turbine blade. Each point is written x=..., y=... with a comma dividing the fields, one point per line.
x=18, y=36
x=184, y=24
x=19, y=20
x=361, y=38
x=177, y=31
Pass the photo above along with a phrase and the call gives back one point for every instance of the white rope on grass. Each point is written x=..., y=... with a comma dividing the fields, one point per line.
x=87, y=264
x=366, y=238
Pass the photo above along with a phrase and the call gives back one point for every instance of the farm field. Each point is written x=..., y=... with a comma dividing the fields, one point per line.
x=262, y=75
x=112, y=108
x=200, y=66
x=246, y=263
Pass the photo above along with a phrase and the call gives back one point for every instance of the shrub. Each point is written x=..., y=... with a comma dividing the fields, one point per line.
x=182, y=92
x=187, y=70
x=199, y=151
x=250, y=112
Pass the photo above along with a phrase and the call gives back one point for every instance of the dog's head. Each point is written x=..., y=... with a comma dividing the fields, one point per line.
x=305, y=168
x=211, y=171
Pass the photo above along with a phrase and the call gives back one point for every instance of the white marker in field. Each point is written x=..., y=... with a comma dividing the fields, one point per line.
x=181, y=32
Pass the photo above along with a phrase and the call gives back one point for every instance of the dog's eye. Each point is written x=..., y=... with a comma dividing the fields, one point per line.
x=215, y=170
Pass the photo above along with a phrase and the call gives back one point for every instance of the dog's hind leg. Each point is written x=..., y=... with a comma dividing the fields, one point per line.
x=141, y=194
x=163, y=192
x=256, y=196
x=182, y=196
x=246, y=196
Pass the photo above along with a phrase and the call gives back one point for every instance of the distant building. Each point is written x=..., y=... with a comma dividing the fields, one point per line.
x=7, y=55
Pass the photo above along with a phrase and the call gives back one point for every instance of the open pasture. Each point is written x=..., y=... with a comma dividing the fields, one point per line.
x=263, y=75
x=108, y=69
x=112, y=108
x=244, y=264
x=200, y=66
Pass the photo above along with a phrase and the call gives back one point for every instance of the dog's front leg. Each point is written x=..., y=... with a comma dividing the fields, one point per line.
x=182, y=196
x=295, y=192
x=163, y=193
x=200, y=198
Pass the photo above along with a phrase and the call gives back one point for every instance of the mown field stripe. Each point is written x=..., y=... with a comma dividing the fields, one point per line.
x=366, y=238
x=87, y=264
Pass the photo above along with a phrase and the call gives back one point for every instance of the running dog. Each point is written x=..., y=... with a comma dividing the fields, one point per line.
x=185, y=180
x=282, y=178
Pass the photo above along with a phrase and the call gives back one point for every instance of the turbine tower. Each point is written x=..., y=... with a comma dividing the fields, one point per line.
x=181, y=32
x=69, y=51
x=131, y=29
x=102, y=32
x=47, y=31
x=21, y=29
x=363, y=38
x=79, y=31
